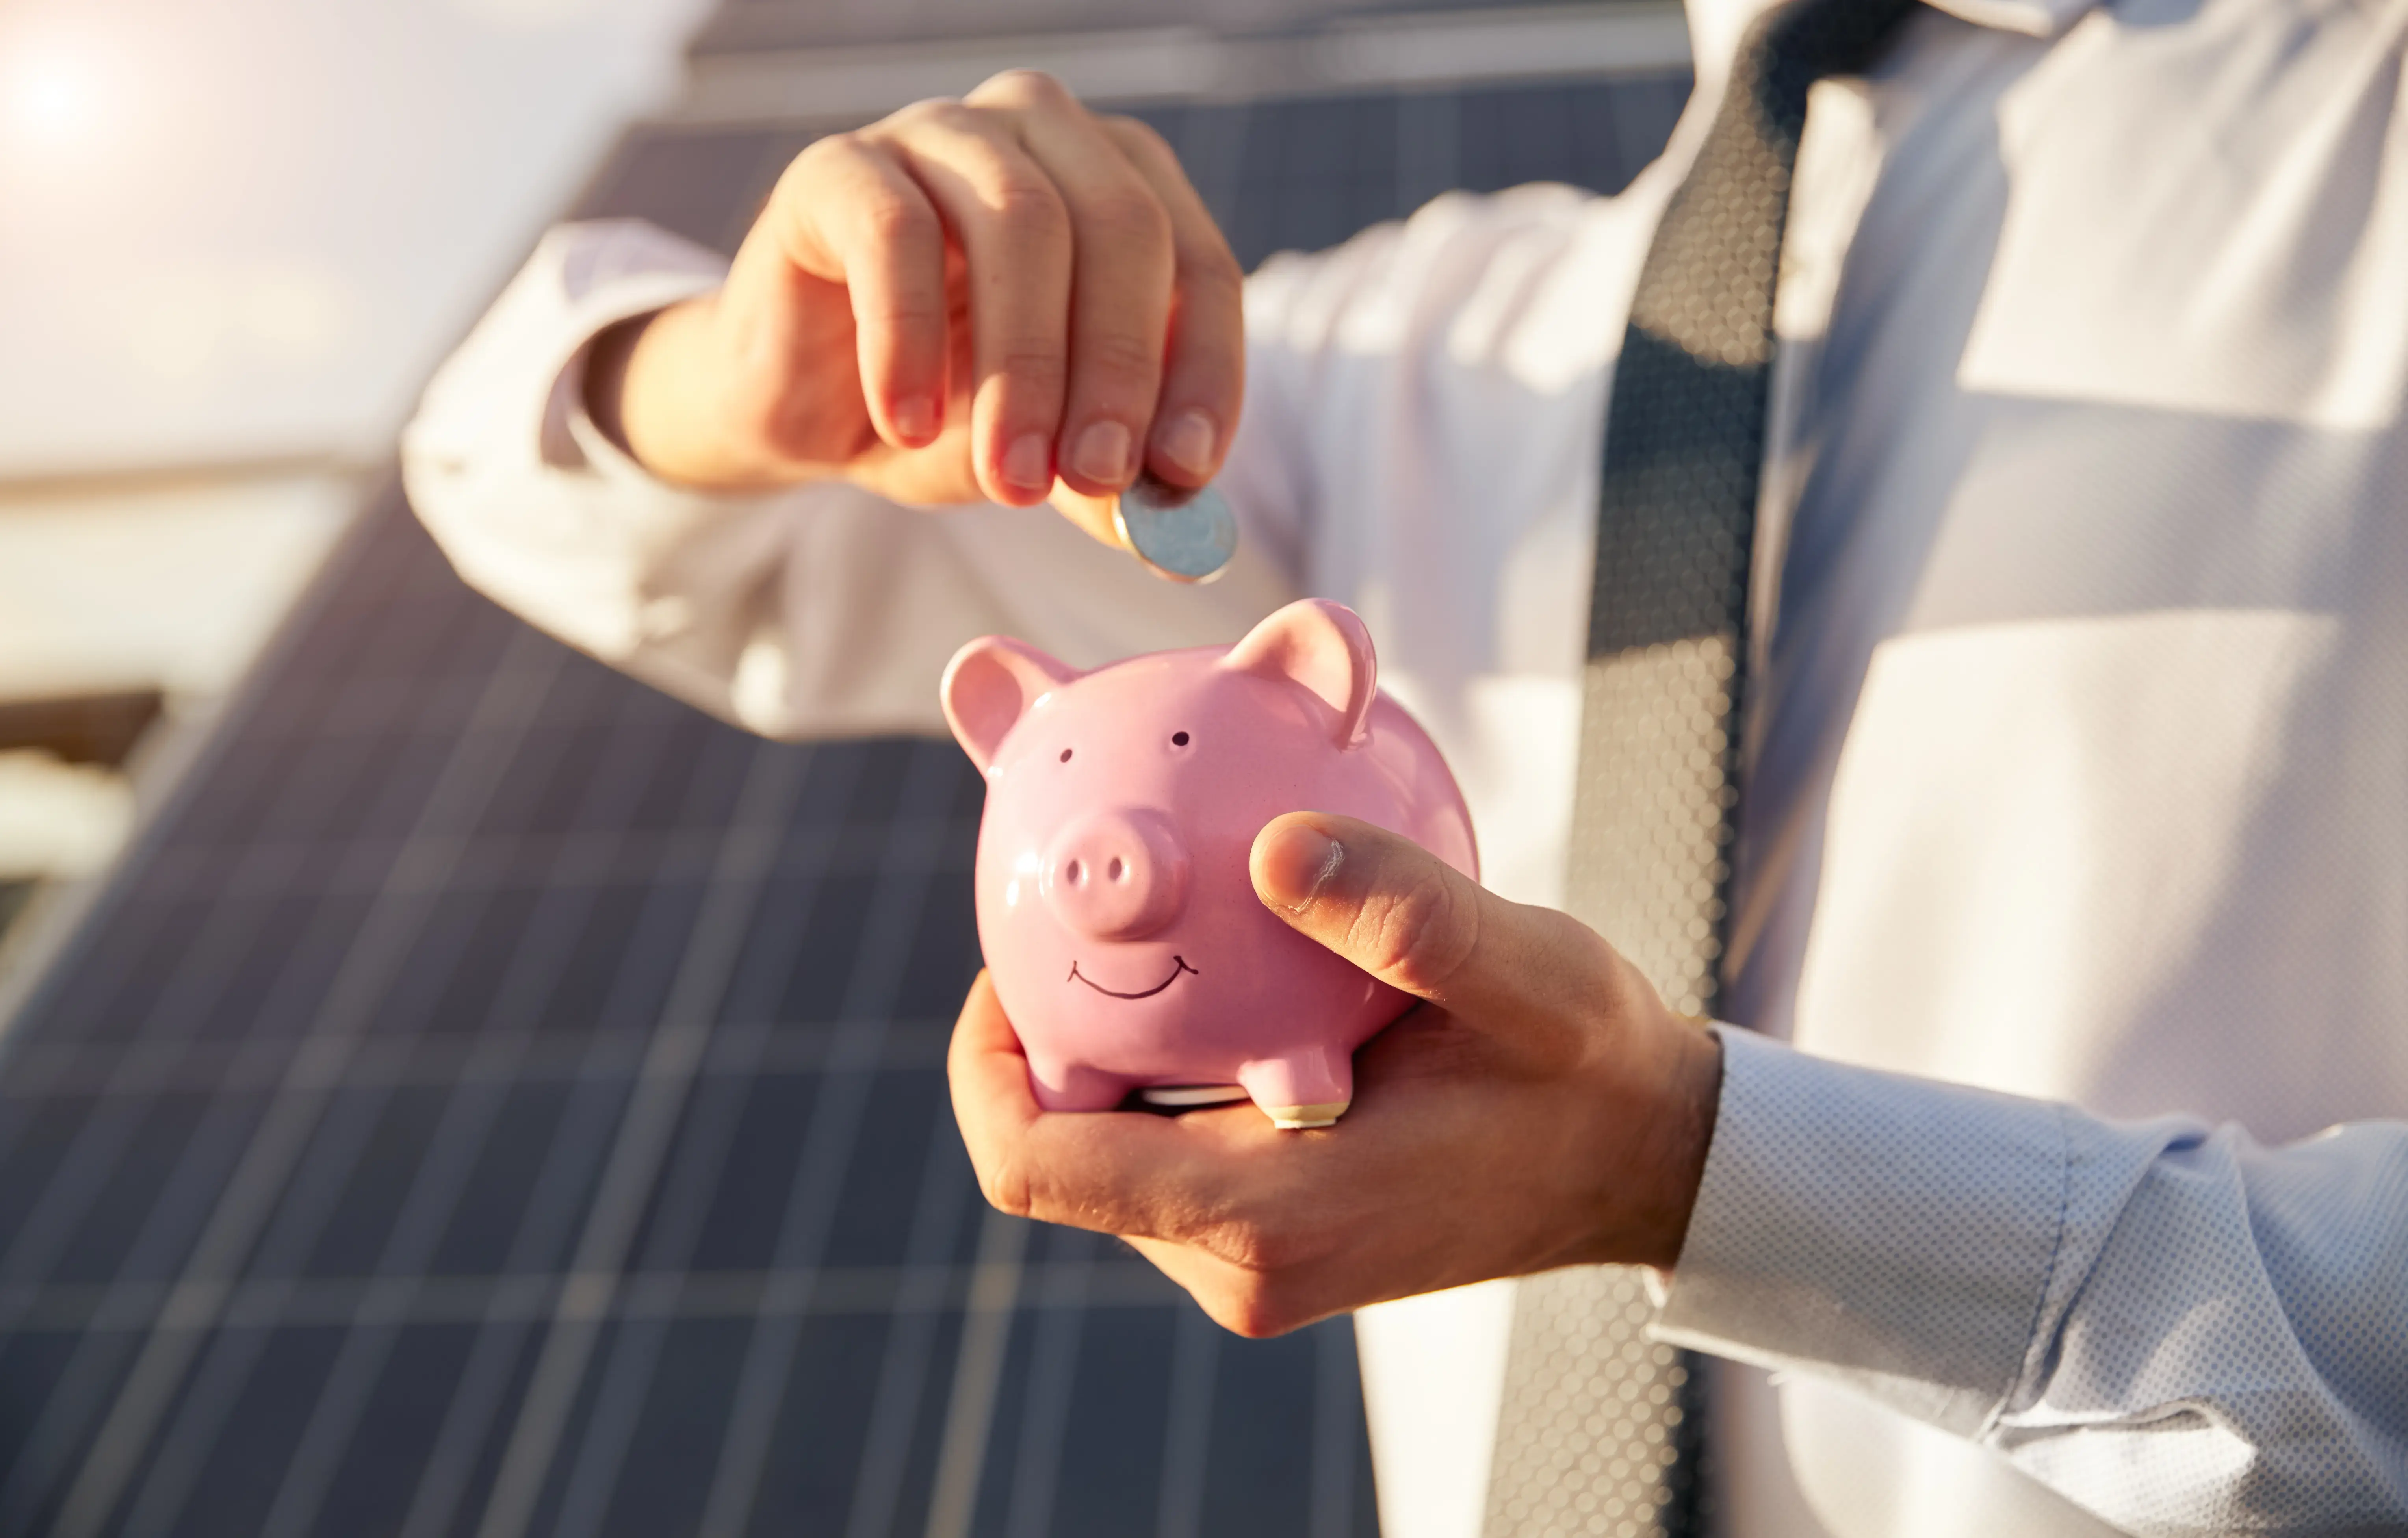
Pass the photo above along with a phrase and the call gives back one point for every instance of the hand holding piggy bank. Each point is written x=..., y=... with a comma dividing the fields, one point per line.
x=1115, y=906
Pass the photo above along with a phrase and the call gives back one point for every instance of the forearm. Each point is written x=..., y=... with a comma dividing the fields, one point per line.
x=2172, y=1326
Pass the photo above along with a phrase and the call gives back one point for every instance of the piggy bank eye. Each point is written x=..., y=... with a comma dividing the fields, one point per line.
x=1179, y=739
x=1065, y=755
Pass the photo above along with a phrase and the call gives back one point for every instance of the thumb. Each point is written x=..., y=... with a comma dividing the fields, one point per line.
x=1395, y=910
x=1093, y=514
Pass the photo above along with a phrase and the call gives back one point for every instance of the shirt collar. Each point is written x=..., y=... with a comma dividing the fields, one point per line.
x=2032, y=18
x=1715, y=25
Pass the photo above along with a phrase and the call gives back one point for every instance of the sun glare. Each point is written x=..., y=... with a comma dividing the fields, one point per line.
x=50, y=97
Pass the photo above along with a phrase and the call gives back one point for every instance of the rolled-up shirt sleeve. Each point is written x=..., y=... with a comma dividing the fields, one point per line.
x=2170, y=1325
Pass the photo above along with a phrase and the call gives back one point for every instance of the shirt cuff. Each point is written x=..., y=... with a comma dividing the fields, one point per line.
x=1892, y=1232
x=628, y=270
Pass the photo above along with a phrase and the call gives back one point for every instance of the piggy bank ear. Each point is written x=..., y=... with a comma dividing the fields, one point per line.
x=989, y=685
x=1322, y=646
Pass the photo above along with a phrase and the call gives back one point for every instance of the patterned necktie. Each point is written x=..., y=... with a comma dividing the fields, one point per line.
x=1600, y=1429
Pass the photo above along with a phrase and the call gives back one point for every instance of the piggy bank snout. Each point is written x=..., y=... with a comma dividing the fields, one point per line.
x=1116, y=874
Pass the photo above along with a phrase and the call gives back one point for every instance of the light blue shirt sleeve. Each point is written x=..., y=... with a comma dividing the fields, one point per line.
x=2171, y=1326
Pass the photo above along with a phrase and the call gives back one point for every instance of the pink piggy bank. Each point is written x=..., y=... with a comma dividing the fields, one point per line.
x=1115, y=906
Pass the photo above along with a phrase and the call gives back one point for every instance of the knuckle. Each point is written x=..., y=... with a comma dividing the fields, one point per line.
x=946, y=113
x=834, y=159
x=1036, y=369
x=1024, y=88
x=1137, y=136
x=1208, y=267
x=1028, y=207
x=1118, y=358
x=849, y=145
x=1261, y=1251
x=1006, y=1187
x=1125, y=216
x=1252, y=1313
x=1419, y=937
x=893, y=220
x=1256, y=1306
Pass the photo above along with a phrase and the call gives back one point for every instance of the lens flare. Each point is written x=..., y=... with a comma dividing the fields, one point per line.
x=51, y=96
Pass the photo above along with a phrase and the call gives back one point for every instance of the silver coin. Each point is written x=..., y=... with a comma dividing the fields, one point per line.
x=1185, y=536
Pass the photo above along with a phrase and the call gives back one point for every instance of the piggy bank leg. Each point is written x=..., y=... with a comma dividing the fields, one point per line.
x=1074, y=1087
x=1311, y=1088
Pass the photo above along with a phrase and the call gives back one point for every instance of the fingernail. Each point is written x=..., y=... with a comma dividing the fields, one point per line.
x=1028, y=464
x=1187, y=442
x=1299, y=864
x=915, y=418
x=1103, y=453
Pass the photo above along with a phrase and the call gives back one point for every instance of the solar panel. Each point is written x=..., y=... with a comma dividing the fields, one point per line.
x=748, y=26
x=496, y=1100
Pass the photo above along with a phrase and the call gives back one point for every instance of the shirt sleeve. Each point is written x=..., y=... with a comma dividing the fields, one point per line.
x=2171, y=1326
x=819, y=611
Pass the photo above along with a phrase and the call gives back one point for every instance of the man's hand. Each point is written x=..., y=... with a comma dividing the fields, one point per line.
x=1539, y=1108
x=964, y=300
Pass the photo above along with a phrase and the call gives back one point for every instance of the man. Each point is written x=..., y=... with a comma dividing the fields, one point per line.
x=2074, y=761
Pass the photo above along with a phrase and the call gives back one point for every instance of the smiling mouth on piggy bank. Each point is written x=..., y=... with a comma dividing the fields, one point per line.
x=1178, y=965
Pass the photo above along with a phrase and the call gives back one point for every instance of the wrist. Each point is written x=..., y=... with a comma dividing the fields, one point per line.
x=608, y=358
x=1653, y=1101
x=649, y=388
x=1684, y=1132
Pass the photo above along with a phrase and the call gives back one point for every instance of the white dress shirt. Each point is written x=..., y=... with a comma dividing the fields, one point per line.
x=2077, y=759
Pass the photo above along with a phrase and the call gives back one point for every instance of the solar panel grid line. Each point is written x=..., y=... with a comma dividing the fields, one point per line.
x=978, y=1374
x=769, y=1046
x=485, y=1387
x=1187, y=1428
x=641, y=1142
x=439, y=1182
x=1211, y=146
x=903, y=1369
x=205, y=968
x=837, y=1106
x=232, y=1350
x=684, y=1200
x=366, y=1303
x=232, y=1353
x=1045, y=1403
x=942, y=1196
x=635, y=1348
x=1329, y=1489
x=1429, y=145
x=242, y=1208
x=354, y=866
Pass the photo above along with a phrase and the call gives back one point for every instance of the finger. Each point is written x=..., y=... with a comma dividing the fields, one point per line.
x=1093, y=514
x=1004, y=212
x=1120, y=287
x=1114, y=1173
x=1204, y=366
x=848, y=212
x=989, y=1080
x=1415, y=922
x=1244, y=1302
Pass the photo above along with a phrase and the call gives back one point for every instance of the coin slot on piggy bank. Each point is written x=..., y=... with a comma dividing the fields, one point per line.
x=1115, y=906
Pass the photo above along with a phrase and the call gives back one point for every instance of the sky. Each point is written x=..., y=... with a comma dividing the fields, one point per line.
x=233, y=229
